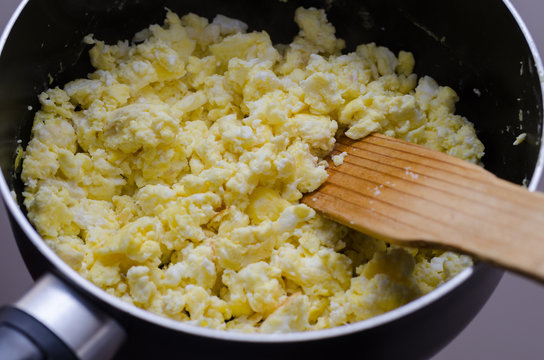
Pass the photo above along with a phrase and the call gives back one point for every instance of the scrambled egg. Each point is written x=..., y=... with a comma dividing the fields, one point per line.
x=171, y=176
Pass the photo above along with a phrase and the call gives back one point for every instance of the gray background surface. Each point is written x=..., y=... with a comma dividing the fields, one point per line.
x=510, y=326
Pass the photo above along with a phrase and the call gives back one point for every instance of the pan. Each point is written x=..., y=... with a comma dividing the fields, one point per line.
x=481, y=49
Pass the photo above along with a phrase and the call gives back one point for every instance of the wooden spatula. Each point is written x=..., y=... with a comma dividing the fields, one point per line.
x=407, y=194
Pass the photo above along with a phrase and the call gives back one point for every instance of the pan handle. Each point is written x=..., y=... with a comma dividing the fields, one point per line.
x=52, y=322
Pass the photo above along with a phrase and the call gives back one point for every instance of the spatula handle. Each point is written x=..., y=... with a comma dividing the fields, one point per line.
x=509, y=232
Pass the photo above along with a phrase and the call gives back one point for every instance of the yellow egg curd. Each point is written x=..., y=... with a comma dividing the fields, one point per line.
x=171, y=176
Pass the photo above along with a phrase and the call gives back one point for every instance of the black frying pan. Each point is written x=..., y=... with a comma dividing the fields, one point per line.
x=479, y=48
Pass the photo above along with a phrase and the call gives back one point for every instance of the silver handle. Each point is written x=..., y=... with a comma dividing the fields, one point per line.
x=52, y=306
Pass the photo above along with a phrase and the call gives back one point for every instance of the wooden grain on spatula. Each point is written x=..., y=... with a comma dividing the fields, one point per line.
x=408, y=194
